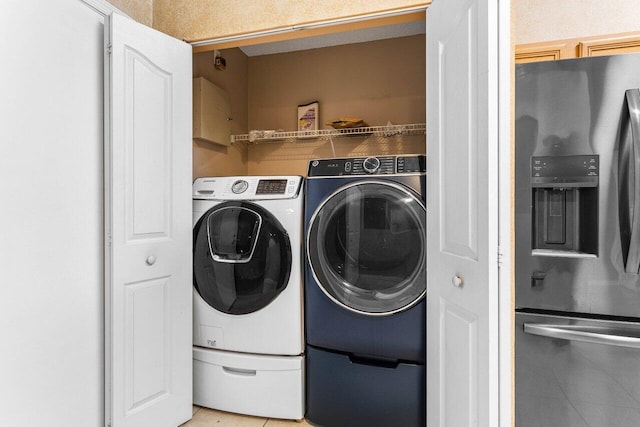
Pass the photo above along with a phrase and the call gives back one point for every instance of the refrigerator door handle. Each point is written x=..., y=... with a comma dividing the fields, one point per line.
x=628, y=196
x=597, y=335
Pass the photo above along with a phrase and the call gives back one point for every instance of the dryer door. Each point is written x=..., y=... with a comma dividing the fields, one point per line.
x=241, y=257
x=366, y=247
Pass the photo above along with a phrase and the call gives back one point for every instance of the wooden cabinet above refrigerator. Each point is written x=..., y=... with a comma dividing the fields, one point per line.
x=611, y=44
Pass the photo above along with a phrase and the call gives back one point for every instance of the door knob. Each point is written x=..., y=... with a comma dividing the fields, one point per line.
x=151, y=260
x=457, y=281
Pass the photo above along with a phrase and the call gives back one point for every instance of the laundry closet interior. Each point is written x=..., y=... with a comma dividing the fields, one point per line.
x=375, y=75
x=381, y=81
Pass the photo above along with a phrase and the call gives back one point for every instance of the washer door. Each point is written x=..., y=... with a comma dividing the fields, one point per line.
x=366, y=247
x=241, y=257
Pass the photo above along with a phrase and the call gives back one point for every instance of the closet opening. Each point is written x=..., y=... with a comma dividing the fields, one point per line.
x=372, y=69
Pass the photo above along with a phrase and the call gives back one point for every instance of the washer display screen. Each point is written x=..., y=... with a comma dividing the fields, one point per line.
x=271, y=186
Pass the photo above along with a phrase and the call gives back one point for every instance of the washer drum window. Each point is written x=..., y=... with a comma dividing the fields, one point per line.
x=241, y=257
x=366, y=247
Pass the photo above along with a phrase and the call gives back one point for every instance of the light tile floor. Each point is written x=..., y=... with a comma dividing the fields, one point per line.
x=205, y=417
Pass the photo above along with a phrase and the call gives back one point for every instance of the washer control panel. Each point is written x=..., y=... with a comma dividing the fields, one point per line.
x=375, y=165
x=247, y=187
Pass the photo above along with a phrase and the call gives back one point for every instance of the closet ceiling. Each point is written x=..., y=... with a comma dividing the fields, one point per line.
x=335, y=39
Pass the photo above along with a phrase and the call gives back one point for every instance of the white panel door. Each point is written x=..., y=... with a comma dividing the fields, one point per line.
x=148, y=300
x=462, y=200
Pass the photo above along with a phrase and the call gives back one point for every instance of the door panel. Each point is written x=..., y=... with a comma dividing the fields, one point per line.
x=148, y=133
x=148, y=164
x=462, y=193
x=146, y=331
x=460, y=329
x=459, y=208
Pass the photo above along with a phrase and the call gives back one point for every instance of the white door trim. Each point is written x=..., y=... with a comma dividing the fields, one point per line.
x=102, y=7
x=285, y=33
x=505, y=213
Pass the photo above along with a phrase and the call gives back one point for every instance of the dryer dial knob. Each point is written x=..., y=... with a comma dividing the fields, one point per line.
x=240, y=186
x=371, y=164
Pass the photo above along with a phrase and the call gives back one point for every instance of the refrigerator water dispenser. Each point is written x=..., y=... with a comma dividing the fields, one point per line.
x=565, y=205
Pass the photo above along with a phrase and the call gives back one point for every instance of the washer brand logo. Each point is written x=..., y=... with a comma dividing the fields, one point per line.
x=212, y=343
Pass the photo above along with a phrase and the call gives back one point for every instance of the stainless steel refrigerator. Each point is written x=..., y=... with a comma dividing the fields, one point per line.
x=577, y=227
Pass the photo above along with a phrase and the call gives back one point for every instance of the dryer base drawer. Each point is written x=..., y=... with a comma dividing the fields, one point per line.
x=348, y=391
x=265, y=386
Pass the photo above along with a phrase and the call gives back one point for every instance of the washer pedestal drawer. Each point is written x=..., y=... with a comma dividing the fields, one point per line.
x=260, y=385
x=344, y=390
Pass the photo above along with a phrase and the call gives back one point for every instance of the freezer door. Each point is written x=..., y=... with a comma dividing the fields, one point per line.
x=576, y=373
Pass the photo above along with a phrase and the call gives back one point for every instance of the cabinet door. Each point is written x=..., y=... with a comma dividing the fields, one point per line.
x=148, y=224
x=536, y=52
x=466, y=64
x=577, y=48
x=611, y=45
x=211, y=113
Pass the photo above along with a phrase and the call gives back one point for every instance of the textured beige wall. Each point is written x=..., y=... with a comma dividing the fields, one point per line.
x=544, y=20
x=377, y=81
x=534, y=20
x=214, y=159
x=140, y=10
x=205, y=19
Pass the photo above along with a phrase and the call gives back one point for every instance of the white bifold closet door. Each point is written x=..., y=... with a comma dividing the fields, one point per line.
x=148, y=226
x=464, y=133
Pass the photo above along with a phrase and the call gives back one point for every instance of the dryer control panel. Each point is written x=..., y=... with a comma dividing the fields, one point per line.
x=378, y=165
x=247, y=188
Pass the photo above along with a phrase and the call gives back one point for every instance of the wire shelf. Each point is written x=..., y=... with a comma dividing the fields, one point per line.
x=259, y=137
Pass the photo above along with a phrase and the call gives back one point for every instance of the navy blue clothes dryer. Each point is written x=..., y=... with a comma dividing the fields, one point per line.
x=365, y=285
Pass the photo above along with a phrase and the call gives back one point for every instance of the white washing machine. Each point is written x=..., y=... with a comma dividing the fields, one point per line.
x=247, y=295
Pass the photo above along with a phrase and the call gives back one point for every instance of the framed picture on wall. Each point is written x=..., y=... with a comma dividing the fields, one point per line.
x=308, y=117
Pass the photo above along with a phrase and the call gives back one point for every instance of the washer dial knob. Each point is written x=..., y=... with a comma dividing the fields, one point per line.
x=240, y=186
x=371, y=164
